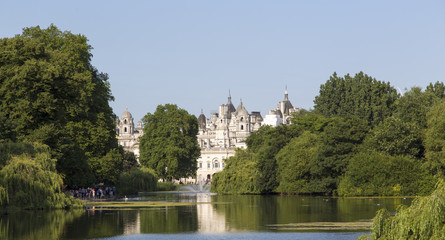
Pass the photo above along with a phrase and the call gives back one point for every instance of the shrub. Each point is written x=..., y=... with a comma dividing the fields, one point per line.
x=380, y=174
x=137, y=180
x=165, y=186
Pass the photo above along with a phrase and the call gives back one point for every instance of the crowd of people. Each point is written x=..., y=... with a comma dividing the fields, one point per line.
x=93, y=192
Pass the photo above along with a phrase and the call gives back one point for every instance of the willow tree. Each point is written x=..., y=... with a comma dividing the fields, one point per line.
x=51, y=93
x=424, y=219
x=29, y=178
x=169, y=144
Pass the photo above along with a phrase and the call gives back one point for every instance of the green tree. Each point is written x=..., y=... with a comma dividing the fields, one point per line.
x=396, y=137
x=137, y=180
x=372, y=173
x=29, y=178
x=438, y=89
x=360, y=96
x=414, y=105
x=169, y=144
x=108, y=168
x=59, y=98
x=424, y=219
x=129, y=161
x=311, y=121
x=295, y=162
x=240, y=175
x=435, y=138
x=266, y=143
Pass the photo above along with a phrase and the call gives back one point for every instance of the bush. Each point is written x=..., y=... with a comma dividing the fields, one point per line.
x=165, y=186
x=380, y=174
x=137, y=180
x=240, y=176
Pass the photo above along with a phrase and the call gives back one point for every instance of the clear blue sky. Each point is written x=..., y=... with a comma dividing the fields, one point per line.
x=192, y=52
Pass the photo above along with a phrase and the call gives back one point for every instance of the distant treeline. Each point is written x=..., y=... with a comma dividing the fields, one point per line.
x=361, y=139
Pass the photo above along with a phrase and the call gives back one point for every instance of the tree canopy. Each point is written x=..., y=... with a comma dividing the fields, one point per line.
x=169, y=144
x=360, y=96
x=51, y=93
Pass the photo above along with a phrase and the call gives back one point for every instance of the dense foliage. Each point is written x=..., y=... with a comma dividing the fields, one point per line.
x=28, y=178
x=362, y=139
x=424, y=219
x=296, y=162
x=169, y=144
x=240, y=175
x=435, y=138
x=360, y=96
x=253, y=171
x=380, y=174
x=137, y=180
x=50, y=93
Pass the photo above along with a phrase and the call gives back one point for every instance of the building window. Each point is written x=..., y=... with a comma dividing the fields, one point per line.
x=222, y=165
x=242, y=127
x=216, y=164
x=125, y=129
x=200, y=165
x=242, y=118
x=125, y=121
x=208, y=165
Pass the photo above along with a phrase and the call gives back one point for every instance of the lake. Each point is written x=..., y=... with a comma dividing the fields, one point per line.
x=213, y=217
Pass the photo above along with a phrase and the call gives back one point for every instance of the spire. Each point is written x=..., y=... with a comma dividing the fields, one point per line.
x=286, y=98
x=230, y=106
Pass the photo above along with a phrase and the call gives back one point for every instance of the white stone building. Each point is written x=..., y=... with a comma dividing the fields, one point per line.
x=281, y=114
x=219, y=136
x=127, y=134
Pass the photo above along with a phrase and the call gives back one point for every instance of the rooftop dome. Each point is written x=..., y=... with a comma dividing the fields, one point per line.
x=241, y=110
x=202, y=120
x=126, y=115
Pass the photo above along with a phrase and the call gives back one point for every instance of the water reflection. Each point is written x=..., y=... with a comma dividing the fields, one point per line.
x=209, y=220
x=212, y=214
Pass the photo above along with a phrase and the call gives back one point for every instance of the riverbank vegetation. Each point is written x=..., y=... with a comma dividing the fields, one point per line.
x=424, y=219
x=362, y=139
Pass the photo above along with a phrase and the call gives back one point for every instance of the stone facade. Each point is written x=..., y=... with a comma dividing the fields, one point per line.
x=218, y=136
x=281, y=114
x=127, y=134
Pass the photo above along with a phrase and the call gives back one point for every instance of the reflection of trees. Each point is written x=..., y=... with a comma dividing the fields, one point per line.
x=169, y=220
x=351, y=209
x=36, y=224
x=100, y=224
x=246, y=212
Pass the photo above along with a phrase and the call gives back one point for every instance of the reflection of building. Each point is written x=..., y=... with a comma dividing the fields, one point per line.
x=127, y=134
x=132, y=225
x=209, y=220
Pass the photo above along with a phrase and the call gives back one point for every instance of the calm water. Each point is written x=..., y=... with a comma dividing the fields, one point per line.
x=217, y=217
